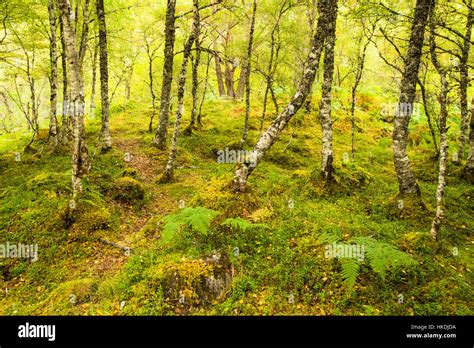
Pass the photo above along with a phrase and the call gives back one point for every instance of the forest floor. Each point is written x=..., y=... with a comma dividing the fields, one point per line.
x=258, y=253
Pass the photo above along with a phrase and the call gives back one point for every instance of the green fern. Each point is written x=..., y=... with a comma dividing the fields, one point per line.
x=350, y=271
x=242, y=224
x=330, y=236
x=198, y=219
x=383, y=256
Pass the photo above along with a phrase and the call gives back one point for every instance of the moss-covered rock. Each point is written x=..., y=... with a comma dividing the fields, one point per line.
x=128, y=190
x=193, y=283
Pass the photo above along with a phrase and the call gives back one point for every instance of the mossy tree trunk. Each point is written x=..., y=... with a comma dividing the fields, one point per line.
x=170, y=32
x=406, y=179
x=327, y=168
x=104, y=77
x=53, y=80
x=168, y=173
x=464, y=82
x=469, y=169
x=196, y=64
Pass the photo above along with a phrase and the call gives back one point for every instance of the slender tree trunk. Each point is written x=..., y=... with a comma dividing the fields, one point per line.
x=170, y=30
x=53, y=82
x=203, y=98
x=469, y=169
x=428, y=118
x=65, y=134
x=104, y=77
x=229, y=78
x=242, y=81
x=244, y=170
x=443, y=151
x=311, y=14
x=80, y=158
x=151, y=84
x=168, y=174
x=94, y=79
x=464, y=82
x=271, y=70
x=195, y=79
x=219, y=76
x=248, y=69
x=128, y=89
x=85, y=33
x=406, y=179
x=327, y=168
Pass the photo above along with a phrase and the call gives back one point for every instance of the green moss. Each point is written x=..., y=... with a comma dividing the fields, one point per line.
x=128, y=190
x=68, y=297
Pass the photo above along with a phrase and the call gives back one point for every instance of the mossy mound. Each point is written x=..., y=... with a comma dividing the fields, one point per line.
x=409, y=207
x=88, y=217
x=128, y=190
x=46, y=180
x=218, y=195
x=346, y=180
x=65, y=299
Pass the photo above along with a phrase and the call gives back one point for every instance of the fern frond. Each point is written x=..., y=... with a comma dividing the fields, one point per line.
x=350, y=271
x=198, y=219
x=383, y=256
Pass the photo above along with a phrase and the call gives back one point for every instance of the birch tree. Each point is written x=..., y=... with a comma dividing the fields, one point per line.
x=248, y=69
x=267, y=139
x=80, y=156
x=168, y=173
x=443, y=144
x=406, y=180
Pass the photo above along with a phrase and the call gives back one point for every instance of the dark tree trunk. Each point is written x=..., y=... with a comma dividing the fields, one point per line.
x=168, y=174
x=406, y=179
x=464, y=82
x=65, y=134
x=170, y=31
x=104, y=77
x=197, y=62
x=53, y=82
x=94, y=79
x=219, y=76
x=327, y=168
